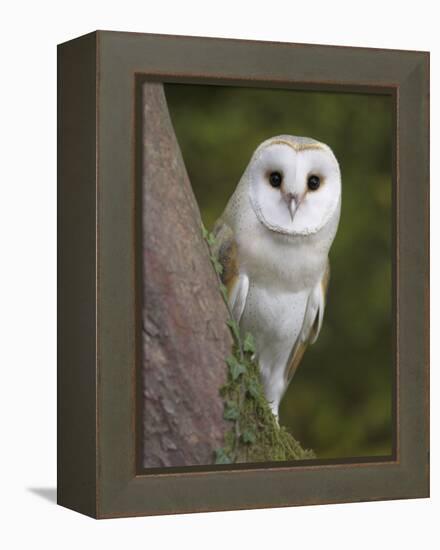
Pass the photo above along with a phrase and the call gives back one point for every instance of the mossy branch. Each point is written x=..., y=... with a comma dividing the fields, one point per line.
x=255, y=435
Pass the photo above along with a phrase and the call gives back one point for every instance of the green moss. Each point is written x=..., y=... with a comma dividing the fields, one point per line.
x=254, y=435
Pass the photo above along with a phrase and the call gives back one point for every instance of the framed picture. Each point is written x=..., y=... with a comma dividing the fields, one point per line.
x=243, y=274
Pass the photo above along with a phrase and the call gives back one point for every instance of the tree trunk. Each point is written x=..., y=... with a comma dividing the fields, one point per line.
x=185, y=336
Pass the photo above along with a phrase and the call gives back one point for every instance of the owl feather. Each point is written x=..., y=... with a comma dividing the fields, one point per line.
x=273, y=241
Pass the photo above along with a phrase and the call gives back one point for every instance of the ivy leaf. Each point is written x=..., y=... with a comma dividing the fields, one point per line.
x=249, y=343
x=210, y=239
x=233, y=325
x=224, y=292
x=248, y=436
x=217, y=265
x=253, y=390
x=205, y=232
x=231, y=412
x=235, y=367
x=222, y=457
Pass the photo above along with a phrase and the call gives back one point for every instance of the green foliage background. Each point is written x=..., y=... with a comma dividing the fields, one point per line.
x=339, y=402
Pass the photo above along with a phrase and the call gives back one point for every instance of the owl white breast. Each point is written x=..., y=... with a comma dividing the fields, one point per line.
x=274, y=238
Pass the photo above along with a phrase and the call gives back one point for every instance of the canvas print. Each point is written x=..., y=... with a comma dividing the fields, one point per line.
x=266, y=276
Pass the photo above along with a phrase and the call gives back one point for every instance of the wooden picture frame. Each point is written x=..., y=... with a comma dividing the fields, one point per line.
x=98, y=350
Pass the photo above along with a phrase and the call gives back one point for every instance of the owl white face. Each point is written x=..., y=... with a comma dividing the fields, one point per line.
x=294, y=185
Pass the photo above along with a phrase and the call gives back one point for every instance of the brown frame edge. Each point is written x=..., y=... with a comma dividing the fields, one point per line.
x=96, y=449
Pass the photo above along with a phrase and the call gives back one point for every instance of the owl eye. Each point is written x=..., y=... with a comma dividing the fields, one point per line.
x=313, y=183
x=275, y=179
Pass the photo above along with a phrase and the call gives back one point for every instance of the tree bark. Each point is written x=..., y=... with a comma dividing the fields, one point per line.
x=185, y=336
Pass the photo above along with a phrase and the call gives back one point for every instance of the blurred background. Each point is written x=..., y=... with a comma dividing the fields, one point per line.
x=340, y=400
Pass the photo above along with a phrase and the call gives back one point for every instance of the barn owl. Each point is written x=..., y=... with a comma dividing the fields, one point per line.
x=273, y=241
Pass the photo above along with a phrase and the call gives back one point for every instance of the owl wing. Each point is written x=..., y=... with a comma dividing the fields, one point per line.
x=312, y=323
x=237, y=283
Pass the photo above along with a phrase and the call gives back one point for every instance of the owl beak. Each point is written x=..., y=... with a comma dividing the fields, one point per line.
x=292, y=204
x=292, y=209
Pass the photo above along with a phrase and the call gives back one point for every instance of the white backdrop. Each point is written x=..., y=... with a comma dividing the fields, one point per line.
x=29, y=34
